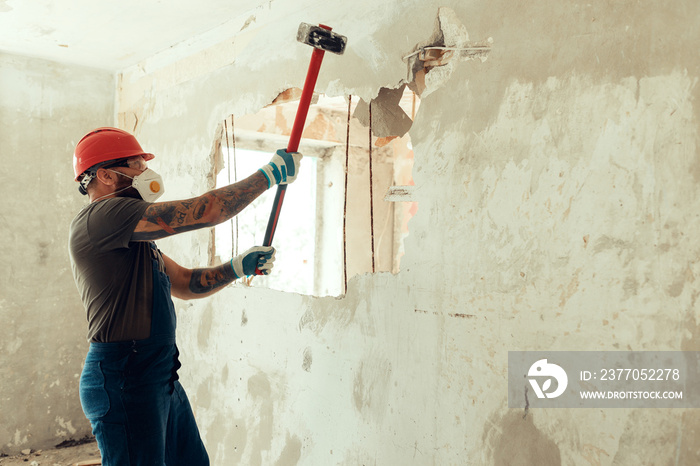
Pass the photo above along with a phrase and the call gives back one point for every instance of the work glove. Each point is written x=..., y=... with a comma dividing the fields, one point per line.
x=283, y=168
x=261, y=257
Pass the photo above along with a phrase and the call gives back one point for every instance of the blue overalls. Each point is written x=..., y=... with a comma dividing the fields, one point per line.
x=130, y=393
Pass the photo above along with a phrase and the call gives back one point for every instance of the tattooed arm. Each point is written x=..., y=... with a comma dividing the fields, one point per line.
x=163, y=219
x=197, y=283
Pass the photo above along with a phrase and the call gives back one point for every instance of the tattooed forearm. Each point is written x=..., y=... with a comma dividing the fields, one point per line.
x=210, y=279
x=230, y=200
x=200, y=208
x=169, y=218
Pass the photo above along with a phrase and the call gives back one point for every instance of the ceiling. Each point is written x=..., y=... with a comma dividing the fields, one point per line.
x=113, y=35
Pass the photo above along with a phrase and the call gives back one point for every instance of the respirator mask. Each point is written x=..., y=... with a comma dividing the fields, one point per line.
x=149, y=184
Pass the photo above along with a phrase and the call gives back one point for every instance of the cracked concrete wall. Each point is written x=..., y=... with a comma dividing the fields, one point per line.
x=45, y=107
x=557, y=189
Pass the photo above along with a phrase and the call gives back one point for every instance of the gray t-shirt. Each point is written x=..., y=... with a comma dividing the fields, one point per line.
x=114, y=275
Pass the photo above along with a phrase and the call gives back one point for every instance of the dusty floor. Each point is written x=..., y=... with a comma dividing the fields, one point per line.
x=67, y=456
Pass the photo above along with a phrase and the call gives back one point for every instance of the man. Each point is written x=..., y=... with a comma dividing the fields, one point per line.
x=129, y=386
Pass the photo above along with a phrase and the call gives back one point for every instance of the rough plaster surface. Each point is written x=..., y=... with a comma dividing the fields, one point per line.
x=557, y=185
x=45, y=108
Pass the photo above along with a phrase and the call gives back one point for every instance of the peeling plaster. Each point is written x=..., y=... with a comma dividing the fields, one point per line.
x=371, y=387
x=514, y=439
x=450, y=43
x=291, y=453
x=259, y=389
x=388, y=118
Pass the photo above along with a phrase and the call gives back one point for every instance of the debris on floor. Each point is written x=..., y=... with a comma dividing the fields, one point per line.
x=65, y=454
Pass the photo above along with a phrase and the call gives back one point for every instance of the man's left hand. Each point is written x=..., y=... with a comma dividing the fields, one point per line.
x=261, y=257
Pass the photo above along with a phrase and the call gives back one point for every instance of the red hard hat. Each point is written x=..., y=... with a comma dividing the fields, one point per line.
x=103, y=144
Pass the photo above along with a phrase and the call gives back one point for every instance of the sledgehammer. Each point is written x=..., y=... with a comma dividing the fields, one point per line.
x=322, y=40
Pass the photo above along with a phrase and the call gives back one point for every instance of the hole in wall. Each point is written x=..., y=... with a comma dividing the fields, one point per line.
x=324, y=235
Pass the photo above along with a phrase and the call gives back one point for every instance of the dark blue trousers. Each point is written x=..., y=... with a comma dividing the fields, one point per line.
x=130, y=393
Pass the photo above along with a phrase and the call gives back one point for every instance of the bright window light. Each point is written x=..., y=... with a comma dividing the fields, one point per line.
x=294, y=238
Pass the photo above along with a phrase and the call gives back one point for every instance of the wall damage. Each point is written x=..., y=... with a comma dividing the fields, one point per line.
x=432, y=63
x=557, y=184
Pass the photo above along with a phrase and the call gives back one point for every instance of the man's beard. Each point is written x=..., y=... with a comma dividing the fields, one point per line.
x=130, y=191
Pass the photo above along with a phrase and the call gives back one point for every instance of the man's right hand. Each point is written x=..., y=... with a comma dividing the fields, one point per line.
x=283, y=168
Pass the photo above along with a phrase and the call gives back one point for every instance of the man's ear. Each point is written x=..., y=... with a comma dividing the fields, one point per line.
x=106, y=176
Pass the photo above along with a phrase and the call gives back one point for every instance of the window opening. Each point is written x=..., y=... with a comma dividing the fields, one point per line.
x=294, y=240
x=324, y=235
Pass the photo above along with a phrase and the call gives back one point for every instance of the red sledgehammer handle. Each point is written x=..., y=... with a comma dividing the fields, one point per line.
x=294, y=138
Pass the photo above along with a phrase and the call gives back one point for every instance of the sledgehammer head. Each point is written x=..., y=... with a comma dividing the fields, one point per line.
x=322, y=38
